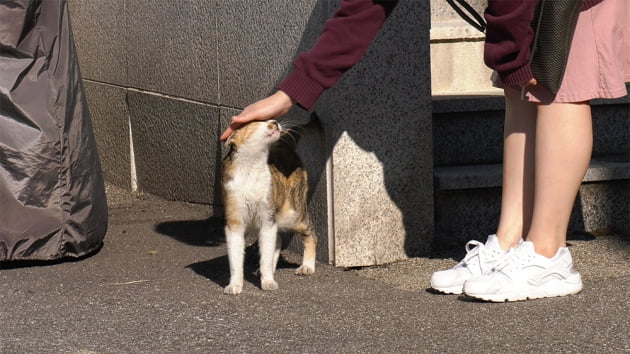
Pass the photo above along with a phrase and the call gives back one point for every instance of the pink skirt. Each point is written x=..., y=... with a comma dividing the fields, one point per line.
x=599, y=60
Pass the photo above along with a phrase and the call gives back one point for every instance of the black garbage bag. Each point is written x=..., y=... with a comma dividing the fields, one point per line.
x=52, y=196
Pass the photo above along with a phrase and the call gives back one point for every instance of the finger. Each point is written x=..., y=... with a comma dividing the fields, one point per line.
x=226, y=134
x=230, y=129
x=531, y=82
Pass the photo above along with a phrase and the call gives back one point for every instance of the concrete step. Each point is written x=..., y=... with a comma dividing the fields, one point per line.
x=468, y=200
x=468, y=129
x=601, y=169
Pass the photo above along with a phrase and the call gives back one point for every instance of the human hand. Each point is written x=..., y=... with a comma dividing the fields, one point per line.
x=531, y=82
x=271, y=107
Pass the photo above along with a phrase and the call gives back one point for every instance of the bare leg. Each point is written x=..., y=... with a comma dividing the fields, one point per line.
x=564, y=142
x=518, y=169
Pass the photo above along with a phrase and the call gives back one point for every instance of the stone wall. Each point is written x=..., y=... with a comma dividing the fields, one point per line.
x=164, y=77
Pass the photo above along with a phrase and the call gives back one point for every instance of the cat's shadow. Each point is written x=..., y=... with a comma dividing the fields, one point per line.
x=210, y=233
x=218, y=269
x=200, y=233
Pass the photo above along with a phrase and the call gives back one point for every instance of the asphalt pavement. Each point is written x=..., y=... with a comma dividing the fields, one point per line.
x=156, y=286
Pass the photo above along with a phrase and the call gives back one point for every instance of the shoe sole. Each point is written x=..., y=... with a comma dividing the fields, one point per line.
x=552, y=289
x=456, y=290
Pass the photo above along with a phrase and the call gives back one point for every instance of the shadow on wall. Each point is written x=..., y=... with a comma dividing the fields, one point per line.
x=383, y=107
x=380, y=112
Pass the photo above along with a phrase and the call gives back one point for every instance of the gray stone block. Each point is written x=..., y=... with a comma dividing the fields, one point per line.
x=472, y=214
x=257, y=44
x=467, y=103
x=172, y=47
x=490, y=176
x=110, y=118
x=176, y=145
x=602, y=206
x=611, y=129
x=462, y=138
x=463, y=215
x=602, y=169
x=100, y=37
x=470, y=130
x=378, y=129
x=468, y=177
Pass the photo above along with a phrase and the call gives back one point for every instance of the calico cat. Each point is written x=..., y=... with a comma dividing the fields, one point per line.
x=264, y=190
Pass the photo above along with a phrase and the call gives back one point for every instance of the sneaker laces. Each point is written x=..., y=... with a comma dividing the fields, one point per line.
x=504, y=261
x=484, y=256
x=473, y=248
x=513, y=256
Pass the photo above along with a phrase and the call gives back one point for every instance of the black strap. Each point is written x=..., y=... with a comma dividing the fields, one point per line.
x=477, y=22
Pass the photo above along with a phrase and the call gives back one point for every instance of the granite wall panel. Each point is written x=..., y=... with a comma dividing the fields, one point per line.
x=100, y=36
x=257, y=43
x=110, y=117
x=378, y=127
x=172, y=47
x=180, y=70
x=176, y=146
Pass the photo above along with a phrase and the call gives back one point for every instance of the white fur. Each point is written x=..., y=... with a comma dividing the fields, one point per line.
x=251, y=188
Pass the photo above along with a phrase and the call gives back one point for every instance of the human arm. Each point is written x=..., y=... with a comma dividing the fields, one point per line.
x=509, y=36
x=342, y=43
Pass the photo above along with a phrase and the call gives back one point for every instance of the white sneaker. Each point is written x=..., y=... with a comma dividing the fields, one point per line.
x=523, y=274
x=480, y=259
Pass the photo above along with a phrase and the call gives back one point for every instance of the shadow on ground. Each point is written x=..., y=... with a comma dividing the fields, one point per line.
x=217, y=269
x=202, y=233
x=210, y=233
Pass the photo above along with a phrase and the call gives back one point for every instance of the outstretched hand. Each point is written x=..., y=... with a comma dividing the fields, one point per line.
x=271, y=107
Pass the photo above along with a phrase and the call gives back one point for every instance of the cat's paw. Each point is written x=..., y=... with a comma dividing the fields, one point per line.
x=305, y=270
x=269, y=284
x=233, y=289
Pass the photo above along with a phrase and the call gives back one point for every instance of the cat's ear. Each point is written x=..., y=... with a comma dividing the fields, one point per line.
x=230, y=144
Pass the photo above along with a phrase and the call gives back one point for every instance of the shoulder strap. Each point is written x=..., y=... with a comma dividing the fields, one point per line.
x=476, y=20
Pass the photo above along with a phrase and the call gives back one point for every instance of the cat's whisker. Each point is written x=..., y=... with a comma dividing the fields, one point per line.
x=289, y=123
x=288, y=135
x=297, y=129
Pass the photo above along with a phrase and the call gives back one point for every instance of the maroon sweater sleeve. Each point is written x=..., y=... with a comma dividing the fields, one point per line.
x=342, y=43
x=509, y=37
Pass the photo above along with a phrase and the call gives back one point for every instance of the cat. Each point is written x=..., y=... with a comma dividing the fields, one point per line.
x=264, y=190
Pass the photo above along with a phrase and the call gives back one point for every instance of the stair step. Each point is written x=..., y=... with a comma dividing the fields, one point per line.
x=601, y=169
x=468, y=129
